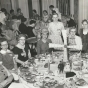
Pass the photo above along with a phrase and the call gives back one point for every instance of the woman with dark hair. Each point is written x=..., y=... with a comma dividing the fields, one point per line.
x=35, y=15
x=21, y=50
x=84, y=35
x=19, y=12
x=30, y=29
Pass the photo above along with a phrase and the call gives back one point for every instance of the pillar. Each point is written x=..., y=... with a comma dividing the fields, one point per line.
x=14, y=4
x=72, y=8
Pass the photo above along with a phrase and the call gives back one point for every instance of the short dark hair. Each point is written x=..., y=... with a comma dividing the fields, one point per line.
x=3, y=10
x=34, y=11
x=11, y=11
x=51, y=6
x=84, y=21
x=32, y=22
x=18, y=9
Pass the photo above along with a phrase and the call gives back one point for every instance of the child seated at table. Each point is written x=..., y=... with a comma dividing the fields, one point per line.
x=43, y=43
x=6, y=56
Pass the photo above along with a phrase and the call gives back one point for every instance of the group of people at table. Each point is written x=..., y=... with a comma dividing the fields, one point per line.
x=47, y=33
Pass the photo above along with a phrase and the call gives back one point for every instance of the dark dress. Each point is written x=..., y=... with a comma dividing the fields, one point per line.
x=23, y=28
x=30, y=32
x=84, y=41
x=19, y=52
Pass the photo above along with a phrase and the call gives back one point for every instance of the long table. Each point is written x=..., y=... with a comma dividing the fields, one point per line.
x=43, y=72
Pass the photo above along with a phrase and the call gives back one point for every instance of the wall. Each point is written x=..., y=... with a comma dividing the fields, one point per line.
x=46, y=3
x=14, y=5
x=5, y=4
x=35, y=5
x=23, y=4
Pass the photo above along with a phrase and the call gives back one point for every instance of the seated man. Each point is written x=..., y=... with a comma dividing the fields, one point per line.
x=74, y=41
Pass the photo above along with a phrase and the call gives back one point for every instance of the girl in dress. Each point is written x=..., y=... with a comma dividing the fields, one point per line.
x=53, y=30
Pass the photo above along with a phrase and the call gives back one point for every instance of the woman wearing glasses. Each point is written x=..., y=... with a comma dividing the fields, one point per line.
x=21, y=50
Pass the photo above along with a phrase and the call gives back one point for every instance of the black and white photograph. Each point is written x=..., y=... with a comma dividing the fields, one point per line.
x=43, y=43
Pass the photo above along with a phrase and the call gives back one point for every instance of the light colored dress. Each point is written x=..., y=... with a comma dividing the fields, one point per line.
x=53, y=32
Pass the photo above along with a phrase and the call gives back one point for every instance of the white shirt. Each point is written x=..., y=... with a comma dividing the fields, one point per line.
x=2, y=17
x=78, y=42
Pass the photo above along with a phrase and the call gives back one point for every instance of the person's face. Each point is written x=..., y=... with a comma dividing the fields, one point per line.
x=22, y=40
x=44, y=36
x=45, y=13
x=55, y=18
x=73, y=32
x=85, y=25
x=4, y=45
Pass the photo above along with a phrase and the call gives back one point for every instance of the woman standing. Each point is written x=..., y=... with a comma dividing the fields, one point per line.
x=53, y=30
x=84, y=35
x=22, y=50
